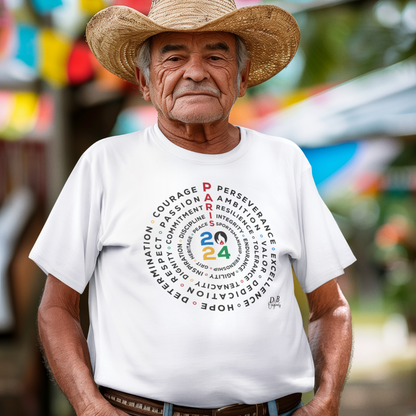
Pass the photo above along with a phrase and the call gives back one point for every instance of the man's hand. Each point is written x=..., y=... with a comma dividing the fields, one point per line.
x=104, y=410
x=316, y=408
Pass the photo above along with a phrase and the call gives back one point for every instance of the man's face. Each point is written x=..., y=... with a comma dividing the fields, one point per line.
x=194, y=76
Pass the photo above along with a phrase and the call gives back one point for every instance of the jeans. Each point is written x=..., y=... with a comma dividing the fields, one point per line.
x=282, y=414
x=273, y=409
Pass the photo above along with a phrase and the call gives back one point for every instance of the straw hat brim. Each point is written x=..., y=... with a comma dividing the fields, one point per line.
x=271, y=36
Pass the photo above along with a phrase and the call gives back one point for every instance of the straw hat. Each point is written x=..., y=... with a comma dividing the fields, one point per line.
x=271, y=34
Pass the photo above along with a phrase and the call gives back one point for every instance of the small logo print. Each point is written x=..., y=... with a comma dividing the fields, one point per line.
x=274, y=302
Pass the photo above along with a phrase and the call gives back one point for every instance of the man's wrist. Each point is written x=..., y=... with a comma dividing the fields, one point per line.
x=92, y=404
x=328, y=401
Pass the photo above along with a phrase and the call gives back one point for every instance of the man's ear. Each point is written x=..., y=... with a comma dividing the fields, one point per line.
x=244, y=79
x=144, y=88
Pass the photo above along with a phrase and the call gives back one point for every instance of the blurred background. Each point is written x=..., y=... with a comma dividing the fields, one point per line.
x=348, y=99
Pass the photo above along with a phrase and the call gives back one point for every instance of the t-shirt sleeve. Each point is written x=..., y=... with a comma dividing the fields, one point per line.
x=68, y=245
x=324, y=251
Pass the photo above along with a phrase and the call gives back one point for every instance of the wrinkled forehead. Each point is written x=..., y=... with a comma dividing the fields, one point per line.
x=190, y=41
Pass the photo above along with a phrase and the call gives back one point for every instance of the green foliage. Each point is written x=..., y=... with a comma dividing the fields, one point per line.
x=345, y=41
x=350, y=40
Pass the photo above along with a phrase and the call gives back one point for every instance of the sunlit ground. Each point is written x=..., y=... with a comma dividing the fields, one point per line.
x=382, y=380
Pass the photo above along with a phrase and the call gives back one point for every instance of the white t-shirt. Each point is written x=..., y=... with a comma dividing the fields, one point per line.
x=189, y=258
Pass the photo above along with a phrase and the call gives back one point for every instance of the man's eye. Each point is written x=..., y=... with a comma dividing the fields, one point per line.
x=215, y=58
x=173, y=59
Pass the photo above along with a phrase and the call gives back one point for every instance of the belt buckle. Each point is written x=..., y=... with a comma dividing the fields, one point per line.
x=217, y=412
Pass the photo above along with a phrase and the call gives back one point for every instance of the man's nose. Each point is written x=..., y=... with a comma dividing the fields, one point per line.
x=195, y=69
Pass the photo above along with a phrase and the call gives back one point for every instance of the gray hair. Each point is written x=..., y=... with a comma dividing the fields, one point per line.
x=143, y=60
x=143, y=57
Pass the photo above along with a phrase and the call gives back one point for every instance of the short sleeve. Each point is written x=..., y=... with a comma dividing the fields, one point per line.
x=324, y=251
x=68, y=245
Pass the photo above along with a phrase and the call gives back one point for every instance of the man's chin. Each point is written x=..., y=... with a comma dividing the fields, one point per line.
x=196, y=118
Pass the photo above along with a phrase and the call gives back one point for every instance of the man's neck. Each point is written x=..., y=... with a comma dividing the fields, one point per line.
x=208, y=138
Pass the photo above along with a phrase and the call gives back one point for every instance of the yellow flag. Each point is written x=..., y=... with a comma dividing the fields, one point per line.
x=23, y=115
x=92, y=6
x=54, y=54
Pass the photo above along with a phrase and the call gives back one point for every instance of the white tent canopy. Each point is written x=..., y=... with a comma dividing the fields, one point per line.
x=380, y=103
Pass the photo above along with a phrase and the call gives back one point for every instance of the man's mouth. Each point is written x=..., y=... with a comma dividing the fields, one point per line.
x=196, y=91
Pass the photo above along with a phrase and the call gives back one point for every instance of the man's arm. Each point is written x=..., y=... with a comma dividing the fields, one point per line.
x=66, y=349
x=330, y=338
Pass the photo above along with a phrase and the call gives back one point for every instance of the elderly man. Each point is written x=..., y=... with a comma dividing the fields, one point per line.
x=188, y=231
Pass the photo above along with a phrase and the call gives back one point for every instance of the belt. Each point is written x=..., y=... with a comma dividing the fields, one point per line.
x=140, y=406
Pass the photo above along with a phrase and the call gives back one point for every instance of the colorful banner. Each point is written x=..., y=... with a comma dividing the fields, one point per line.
x=6, y=108
x=143, y=6
x=55, y=50
x=44, y=115
x=92, y=6
x=22, y=117
x=6, y=32
x=28, y=46
x=45, y=6
x=25, y=113
x=134, y=119
x=80, y=63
